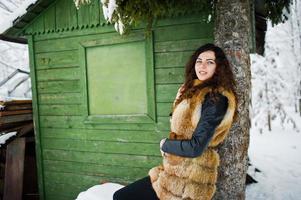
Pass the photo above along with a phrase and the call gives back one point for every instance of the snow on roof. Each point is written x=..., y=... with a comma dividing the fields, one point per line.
x=10, y=10
x=5, y=136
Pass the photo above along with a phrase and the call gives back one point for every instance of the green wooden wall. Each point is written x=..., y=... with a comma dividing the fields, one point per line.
x=74, y=155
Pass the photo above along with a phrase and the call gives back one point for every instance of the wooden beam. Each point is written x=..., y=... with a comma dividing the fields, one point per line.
x=12, y=39
x=14, y=168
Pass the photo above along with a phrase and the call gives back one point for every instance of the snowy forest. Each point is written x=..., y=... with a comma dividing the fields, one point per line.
x=275, y=112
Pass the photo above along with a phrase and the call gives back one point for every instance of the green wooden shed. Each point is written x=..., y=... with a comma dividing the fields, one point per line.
x=101, y=101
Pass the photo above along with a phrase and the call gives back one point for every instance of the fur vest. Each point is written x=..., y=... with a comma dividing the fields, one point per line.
x=191, y=178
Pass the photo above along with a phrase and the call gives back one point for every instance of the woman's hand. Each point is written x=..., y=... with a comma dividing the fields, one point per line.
x=161, y=144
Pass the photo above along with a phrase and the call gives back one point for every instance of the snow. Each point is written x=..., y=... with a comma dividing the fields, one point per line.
x=109, y=8
x=14, y=10
x=100, y=192
x=276, y=75
x=14, y=56
x=277, y=155
x=4, y=137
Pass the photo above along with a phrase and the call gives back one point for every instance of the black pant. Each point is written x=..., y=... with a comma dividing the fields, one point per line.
x=139, y=190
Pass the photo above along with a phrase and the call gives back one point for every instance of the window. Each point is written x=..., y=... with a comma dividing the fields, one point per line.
x=119, y=78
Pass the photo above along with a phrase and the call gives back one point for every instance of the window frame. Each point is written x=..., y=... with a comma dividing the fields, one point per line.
x=112, y=39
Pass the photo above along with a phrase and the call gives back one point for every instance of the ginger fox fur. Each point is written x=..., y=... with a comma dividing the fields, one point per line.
x=191, y=178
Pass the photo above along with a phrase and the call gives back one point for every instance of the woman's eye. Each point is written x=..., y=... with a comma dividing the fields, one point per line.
x=210, y=63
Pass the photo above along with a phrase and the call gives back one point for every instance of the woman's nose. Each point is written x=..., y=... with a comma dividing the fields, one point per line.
x=203, y=65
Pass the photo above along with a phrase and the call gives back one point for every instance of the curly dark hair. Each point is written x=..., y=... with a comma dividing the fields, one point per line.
x=222, y=77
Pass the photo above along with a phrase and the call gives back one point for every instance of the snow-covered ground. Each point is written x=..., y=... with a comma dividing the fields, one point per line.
x=277, y=154
x=100, y=192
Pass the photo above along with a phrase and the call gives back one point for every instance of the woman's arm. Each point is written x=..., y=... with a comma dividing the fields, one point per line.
x=211, y=115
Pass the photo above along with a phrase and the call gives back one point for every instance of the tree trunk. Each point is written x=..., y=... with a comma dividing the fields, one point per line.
x=233, y=33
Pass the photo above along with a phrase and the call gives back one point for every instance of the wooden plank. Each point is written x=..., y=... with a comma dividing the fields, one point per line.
x=164, y=109
x=62, y=15
x=74, y=178
x=38, y=25
x=184, y=31
x=83, y=16
x=166, y=92
x=94, y=12
x=102, y=20
x=150, y=78
x=163, y=125
x=191, y=17
x=181, y=45
x=22, y=128
x=11, y=126
x=172, y=59
x=78, y=122
x=104, y=28
x=16, y=112
x=15, y=118
x=36, y=119
x=65, y=191
x=49, y=19
x=14, y=168
x=61, y=109
x=72, y=15
x=18, y=107
x=72, y=73
x=72, y=42
x=67, y=98
x=57, y=59
x=59, y=86
x=25, y=129
x=29, y=29
x=15, y=102
x=69, y=188
x=102, y=146
x=95, y=169
x=103, y=135
x=169, y=75
x=56, y=196
x=109, y=159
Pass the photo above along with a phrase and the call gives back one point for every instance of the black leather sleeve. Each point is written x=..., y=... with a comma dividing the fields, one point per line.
x=211, y=115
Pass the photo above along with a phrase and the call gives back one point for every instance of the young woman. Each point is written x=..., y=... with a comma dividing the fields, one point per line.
x=202, y=115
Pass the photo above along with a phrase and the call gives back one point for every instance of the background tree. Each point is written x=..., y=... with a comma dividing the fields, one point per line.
x=276, y=75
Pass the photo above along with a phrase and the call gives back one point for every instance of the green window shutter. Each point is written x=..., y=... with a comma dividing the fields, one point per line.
x=118, y=73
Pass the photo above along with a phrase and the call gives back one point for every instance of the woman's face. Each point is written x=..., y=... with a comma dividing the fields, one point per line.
x=205, y=65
